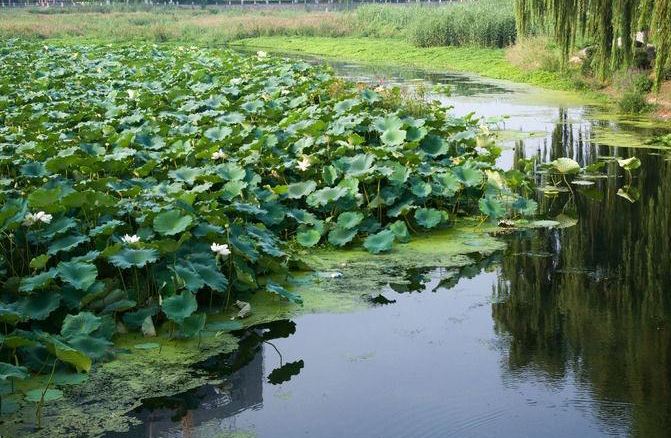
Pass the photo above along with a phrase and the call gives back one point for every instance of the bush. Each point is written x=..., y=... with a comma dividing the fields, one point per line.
x=634, y=87
x=633, y=102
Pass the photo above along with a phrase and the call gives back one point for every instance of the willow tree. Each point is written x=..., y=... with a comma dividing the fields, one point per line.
x=611, y=24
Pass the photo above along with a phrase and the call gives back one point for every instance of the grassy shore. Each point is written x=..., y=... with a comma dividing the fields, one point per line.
x=487, y=62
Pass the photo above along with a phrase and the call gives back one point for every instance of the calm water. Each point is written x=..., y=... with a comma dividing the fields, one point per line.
x=566, y=333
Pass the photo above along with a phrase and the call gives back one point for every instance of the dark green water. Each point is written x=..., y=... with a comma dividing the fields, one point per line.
x=567, y=333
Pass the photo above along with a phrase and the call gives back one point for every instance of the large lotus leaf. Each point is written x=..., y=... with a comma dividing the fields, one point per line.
x=84, y=323
x=233, y=189
x=380, y=242
x=303, y=217
x=44, y=198
x=33, y=170
x=275, y=213
x=421, y=189
x=358, y=165
x=119, y=306
x=41, y=395
x=370, y=96
x=415, y=133
x=448, y=184
x=189, y=277
x=252, y=106
x=78, y=274
x=39, y=306
x=12, y=213
x=298, y=190
x=566, y=166
x=136, y=318
x=326, y=195
x=629, y=193
x=308, y=237
x=434, y=146
x=242, y=244
x=399, y=174
x=340, y=236
x=66, y=244
x=106, y=228
x=329, y=174
x=629, y=163
x=382, y=124
x=171, y=222
x=89, y=199
x=350, y=219
x=232, y=118
x=92, y=346
x=231, y=171
x=178, y=307
x=400, y=231
x=193, y=325
x=428, y=217
x=17, y=339
x=492, y=207
x=211, y=276
x=59, y=226
x=279, y=290
x=186, y=174
x=38, y=281
x=129, y=257
x=218, y=133
x=401, y=208
x=526, y=207
x=10, y=313
x=468, y=176
x=393, y=137
x=8, y=371
x=67, y=354
x=345, y=105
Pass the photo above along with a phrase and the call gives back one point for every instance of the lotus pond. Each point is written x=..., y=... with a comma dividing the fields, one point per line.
x=211, y=244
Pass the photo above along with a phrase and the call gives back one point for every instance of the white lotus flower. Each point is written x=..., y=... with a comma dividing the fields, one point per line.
x=261, y=54
x=219, y=155
x=221, y=250
x=127, y=239
x=33, y=218
x=304, y=164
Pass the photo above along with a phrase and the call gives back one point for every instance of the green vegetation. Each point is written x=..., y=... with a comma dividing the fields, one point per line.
x=635, y=89
x=485, y=23
x=610, y=25
x=484, y=61
x=472, y=36
x=140, y=186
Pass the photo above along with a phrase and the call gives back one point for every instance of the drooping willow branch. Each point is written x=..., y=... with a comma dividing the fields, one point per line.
x=611, y=24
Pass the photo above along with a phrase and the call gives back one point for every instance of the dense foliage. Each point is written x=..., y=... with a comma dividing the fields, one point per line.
x=140, y=182
x=611, y=24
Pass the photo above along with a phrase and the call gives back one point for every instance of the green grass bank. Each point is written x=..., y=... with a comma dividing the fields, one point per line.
x=489, y=62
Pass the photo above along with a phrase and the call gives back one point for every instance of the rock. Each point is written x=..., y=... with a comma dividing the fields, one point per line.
x=245, y=309
x=576, y=60
x=148, y=329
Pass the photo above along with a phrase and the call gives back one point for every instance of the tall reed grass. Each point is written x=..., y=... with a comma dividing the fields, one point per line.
x=482, y=23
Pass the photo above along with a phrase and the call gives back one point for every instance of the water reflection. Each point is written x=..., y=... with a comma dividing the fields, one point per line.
x=599, y=307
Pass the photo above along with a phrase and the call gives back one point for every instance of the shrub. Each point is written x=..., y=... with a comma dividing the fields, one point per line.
x=634, y=87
